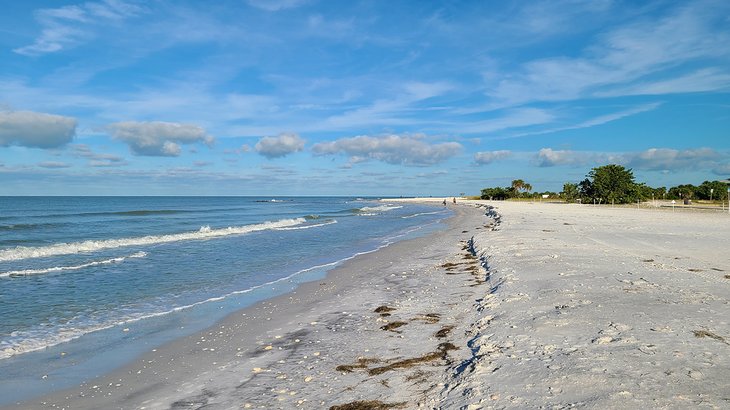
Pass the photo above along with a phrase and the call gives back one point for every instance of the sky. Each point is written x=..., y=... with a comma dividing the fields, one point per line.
x=315, y=97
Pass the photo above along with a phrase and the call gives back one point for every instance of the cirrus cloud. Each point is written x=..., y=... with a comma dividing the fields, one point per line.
x=35, y=129
x=279, y=146
x=391, y=149
x=159, y=139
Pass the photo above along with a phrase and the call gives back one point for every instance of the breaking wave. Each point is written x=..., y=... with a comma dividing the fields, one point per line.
x=205, y=232
x=28, y=272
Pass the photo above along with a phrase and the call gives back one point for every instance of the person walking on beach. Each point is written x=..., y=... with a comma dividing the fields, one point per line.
x=444, y=202
x=454, y=200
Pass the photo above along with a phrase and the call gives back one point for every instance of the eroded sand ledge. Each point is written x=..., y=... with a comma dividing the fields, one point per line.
x=579, y=306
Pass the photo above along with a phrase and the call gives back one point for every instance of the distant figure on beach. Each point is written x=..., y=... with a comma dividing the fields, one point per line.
x=444, y=202
x=454, y=199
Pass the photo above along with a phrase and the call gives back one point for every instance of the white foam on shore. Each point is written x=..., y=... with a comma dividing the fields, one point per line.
x=29, y=342
x=28, y=272
x=379, y=208
x=205, y=232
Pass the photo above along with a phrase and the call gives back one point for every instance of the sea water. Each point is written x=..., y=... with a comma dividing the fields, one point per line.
x=89, y=283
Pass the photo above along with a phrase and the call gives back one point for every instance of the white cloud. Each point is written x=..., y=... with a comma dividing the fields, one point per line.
x=69, y=25
x=522, y=117
x=392, y=149
x=53, y=165
x=722, y=170
x=707, y=79
x=653, y=159
x=547, y=157
x=279, y=146
x=34, y=129
x=623, y=59
x=600, y=120
x=97, y=159
x=158, y=138
x=658, y=159
x=487, y=157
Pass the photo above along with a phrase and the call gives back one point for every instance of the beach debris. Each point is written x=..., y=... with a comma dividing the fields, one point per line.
x=362, y=363
x=384, y=309
x=393, y=325
x=269, y=347
x=430, y=318
x=257, y=370
x=444, y=332
x=705, y=333
x=308, y=379
x=441, y=353
x=368, y=405
x=695, y=374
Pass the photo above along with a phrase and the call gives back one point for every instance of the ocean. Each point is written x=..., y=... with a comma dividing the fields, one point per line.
x=89, y=283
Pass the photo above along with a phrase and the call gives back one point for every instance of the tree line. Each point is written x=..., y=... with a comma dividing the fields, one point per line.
x=611, y=184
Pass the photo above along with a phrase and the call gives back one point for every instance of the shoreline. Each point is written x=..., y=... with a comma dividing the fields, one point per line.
x=180, y=366
x=531, y=305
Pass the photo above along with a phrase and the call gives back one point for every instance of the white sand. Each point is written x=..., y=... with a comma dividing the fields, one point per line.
x=583, y=306
x=602, y=308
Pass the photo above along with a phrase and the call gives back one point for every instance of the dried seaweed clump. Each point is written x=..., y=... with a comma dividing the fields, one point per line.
x=393, y=325
x=368, y=405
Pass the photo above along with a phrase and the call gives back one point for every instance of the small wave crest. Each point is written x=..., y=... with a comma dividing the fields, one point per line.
x=205, y=232
x=325, y=223
x=28, y=272
x=375, y=209
x=420, y=214
x=28, y=226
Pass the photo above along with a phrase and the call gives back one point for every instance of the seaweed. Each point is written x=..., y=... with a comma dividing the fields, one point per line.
x=444, y=332
x=384, y=309
x=368, y=405
x=362, y=363
x=705, y=333
x=393, y=325
x=441, y=353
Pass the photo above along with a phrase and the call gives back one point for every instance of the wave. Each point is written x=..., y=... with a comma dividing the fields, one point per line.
x=421, y=214
x=134, y=212
x=28, y=272
x=25, y=227
x=375, y=209
x=325, y=223
x=29, y=342
x=205, y=232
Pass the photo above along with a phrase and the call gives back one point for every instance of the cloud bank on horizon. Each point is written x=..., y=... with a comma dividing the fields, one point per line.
x=366, y=98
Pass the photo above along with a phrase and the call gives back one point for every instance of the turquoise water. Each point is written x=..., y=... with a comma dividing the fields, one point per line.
x=87, y=283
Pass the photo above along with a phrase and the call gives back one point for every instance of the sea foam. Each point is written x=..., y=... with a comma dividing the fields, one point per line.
x=205, y=232
x=28, y=272
x=379, y=208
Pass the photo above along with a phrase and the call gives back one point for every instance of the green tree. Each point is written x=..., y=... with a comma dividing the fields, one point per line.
x=586, y=189
x=613, y=183
x=496, y=193
x=518, y=186
x=719, y=190
x=570, y=192
x=685, y=191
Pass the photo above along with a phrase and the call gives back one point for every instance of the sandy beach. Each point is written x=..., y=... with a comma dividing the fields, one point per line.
x=512, y=305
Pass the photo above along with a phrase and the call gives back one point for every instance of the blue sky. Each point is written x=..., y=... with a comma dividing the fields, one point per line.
x=306, y=97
